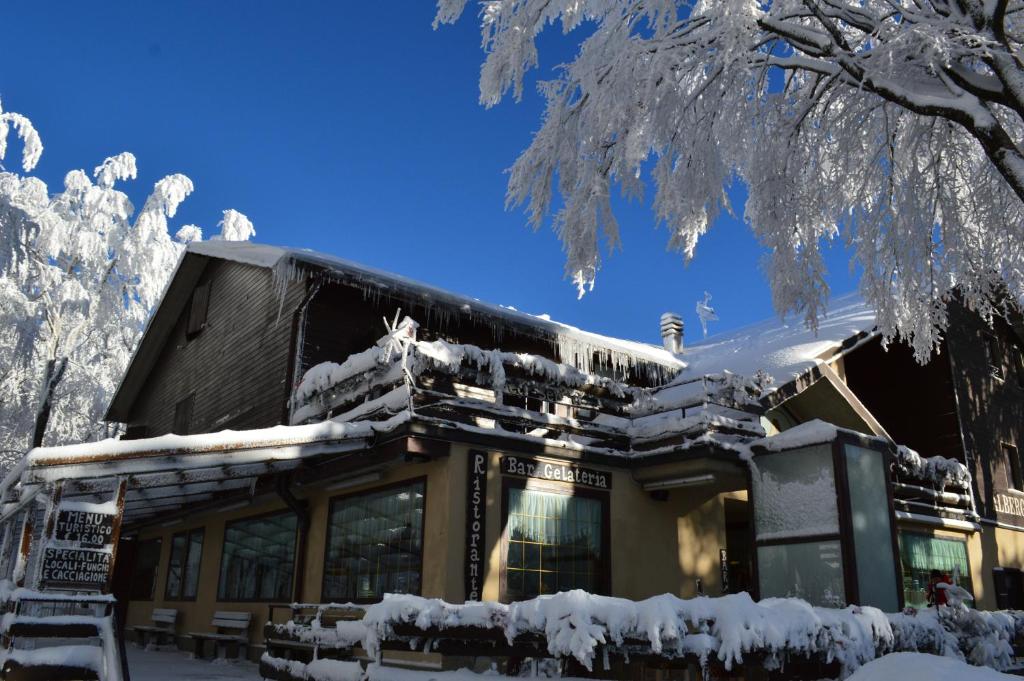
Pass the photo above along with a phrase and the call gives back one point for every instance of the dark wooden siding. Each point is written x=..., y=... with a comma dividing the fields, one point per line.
x=342, y=320
x=914, y=403
x=991, y=407
x=237, y=365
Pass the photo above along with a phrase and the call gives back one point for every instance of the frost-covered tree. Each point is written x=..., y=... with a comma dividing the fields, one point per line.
x=895, y=124
x=78, y=278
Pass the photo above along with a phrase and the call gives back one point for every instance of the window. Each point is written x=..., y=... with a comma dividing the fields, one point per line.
x=375, y=544
x=995, y=355
x=183, y=415
x=183, y=569
x=147, y=560
x=1012, y=466
x=799, y=550
x=134, y=432
x=197, y=310
x=258, y=559
x=1009, y=583
x=1018, y=361
x=920, y=554
x=555, y=542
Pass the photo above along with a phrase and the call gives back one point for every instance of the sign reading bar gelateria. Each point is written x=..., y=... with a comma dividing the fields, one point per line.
x=559, y=472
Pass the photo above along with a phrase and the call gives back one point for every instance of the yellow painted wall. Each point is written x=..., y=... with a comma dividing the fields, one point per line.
x=196, y=615
x=991, y=548
x=656, y=546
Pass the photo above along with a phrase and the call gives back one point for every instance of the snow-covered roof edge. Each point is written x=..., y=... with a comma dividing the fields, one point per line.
x=279, y=258
x=785, y=349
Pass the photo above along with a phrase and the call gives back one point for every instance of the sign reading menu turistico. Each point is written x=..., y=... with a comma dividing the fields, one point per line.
x=560, y=472
x=84, y=527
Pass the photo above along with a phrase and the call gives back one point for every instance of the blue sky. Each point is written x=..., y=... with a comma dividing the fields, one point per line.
x=351, y=128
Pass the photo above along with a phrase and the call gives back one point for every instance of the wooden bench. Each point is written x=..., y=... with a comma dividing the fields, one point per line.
x=231, y=631
x=162, y=628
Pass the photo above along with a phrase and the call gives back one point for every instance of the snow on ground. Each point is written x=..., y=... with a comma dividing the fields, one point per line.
x=922, y=667
x=152, y=665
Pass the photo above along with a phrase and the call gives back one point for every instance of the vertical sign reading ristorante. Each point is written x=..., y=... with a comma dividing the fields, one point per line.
x=476, y=506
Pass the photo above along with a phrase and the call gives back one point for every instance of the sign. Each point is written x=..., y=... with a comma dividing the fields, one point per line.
x=560, y=472
x=1008, y=505
x=79, y=543
x=73, y=568
x=476, y=508
x=86, y=528
x=723, y=567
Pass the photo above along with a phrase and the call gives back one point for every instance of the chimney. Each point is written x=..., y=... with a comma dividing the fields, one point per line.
x=672, y=332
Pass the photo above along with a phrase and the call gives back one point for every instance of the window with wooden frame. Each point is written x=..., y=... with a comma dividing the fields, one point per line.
x=555, y=539
x=257, y=562
x=183, y=415
x=375, y=543
x=994, y=354
x=1012, y=464
x=197, y=310
x=183, y=569
x=147, y=562
x=920, y=554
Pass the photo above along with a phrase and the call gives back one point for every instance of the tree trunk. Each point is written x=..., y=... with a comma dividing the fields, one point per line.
x=54, y=372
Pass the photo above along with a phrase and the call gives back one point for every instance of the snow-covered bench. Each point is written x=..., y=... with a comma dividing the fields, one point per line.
x=162, y=629
x=231, y=633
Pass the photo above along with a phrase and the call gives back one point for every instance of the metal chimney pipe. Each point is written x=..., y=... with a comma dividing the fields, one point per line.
x=672, y=332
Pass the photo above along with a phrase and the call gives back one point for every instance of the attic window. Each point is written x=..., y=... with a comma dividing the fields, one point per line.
x=995, y=357
x=197, y=310
x=183, y=415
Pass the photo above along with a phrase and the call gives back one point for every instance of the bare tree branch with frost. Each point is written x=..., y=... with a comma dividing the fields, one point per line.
x=78, y=278
x=893, y=124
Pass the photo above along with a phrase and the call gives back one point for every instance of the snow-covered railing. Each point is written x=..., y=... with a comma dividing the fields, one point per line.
x=719, y=636
x=49, y=635
x=522, y=394
x=935, y=485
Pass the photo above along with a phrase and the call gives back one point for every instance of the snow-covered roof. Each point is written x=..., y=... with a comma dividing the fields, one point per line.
x=281, y=258
x=784, y=349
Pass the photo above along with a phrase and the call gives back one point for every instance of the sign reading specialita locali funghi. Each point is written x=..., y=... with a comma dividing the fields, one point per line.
x=73, y=568
x=560, y=472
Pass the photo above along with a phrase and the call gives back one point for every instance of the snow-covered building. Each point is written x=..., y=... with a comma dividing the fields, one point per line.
x=304, y=429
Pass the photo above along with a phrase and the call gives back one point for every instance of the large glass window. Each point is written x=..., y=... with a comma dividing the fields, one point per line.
x=258, y=560
x=554, y=543
x=920, y=554
x=812, y=571
x=375, y=544
x=183, y=570
x=147, y=560
x=870, y=518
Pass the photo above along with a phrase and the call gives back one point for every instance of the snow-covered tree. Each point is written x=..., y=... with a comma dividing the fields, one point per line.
x=895, y=124
x=78, y=278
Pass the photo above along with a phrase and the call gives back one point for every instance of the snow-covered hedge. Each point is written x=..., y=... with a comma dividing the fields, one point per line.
x=726, y=629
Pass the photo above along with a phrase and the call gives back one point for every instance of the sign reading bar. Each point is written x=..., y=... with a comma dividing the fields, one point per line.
x=80, y=569
x=476, y=507
x=561, y=472
x=85, y=528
